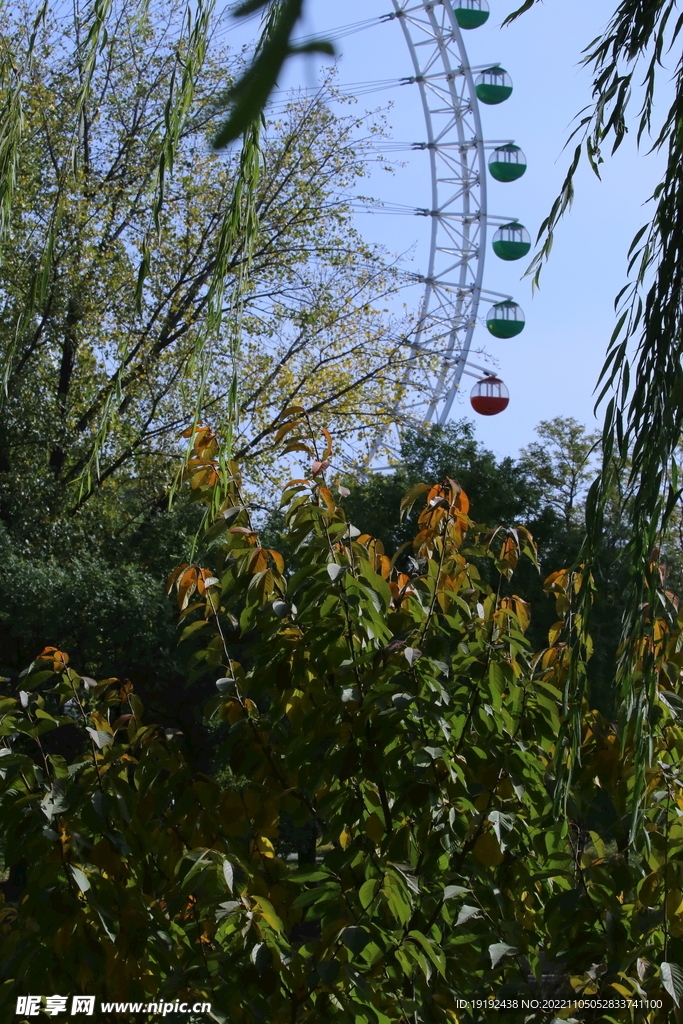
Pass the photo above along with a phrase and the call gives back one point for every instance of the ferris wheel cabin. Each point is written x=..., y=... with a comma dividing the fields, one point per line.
x=505, y=320
x=507, y=163
x=471, y=13
x=511, y=241
x=489, y=396
x=493, y=85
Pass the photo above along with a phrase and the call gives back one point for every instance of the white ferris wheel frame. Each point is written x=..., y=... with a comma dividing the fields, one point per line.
x=459, y=216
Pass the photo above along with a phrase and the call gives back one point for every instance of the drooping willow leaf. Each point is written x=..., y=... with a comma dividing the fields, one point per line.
x=643, y=369
x=249, y=95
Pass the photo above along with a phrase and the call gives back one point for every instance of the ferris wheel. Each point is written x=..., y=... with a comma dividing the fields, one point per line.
x=451, y=94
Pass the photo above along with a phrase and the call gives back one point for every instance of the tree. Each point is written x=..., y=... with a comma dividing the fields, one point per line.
x=407, y=718
x=501, y=492
x=561, y=463
x=642, y=377
x=104, y=357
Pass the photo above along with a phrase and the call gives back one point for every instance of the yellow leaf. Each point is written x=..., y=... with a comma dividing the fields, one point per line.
x=266, y=910
x=262, y=846
x=258, y=561
x=627, y=993
x=326, y=495
x=487, y=850
x=101, y=724
x=555, y=632
x=345, y=839
x=674, y=904
x=284, y=429
x=374, y=828
x=523, y=612
x=278, y=559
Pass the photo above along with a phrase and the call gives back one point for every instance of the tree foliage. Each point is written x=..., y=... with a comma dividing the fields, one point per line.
x=407, y=719
x=641, y=380
x=114, y=328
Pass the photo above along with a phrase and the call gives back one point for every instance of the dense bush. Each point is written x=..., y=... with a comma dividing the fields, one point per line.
x=467, y=844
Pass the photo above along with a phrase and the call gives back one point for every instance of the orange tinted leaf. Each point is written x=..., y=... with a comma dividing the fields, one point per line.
x=326, y=495
x=278, y=559
x=187, y=587
x=523, y=612
x=174, y=576
x=297, y=446
x=284, y=429
x=258, y=561
x=293, y=483
x=58, y=658
x=205, y=578
x=462, y=502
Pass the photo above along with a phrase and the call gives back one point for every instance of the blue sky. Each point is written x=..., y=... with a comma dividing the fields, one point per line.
x=552, y=367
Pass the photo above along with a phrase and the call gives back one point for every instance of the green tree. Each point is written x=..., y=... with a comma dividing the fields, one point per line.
x=102, y=362
x=562, y=463
x=501, y=492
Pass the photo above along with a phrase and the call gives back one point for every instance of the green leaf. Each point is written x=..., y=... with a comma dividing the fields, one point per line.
x=334, y=571
x=79, y=878
x=466, y=913
x=499, y=950
x=267, y=912
x=409, y=499
x=101, y=739
x=454, y=890
x=55, y=802
x=228, y=874
x=368, y=892
x=315, y=46
x=319, y=894
x=435, y=954
x=672, y=980
x=396, y=899
x=311, y=873
x=355, y=938
x=193, y=628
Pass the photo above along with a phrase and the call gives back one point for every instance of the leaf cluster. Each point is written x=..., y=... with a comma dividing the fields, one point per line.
x=404, y=718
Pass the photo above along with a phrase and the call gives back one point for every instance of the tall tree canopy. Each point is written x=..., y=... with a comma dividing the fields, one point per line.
x=107, y=270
